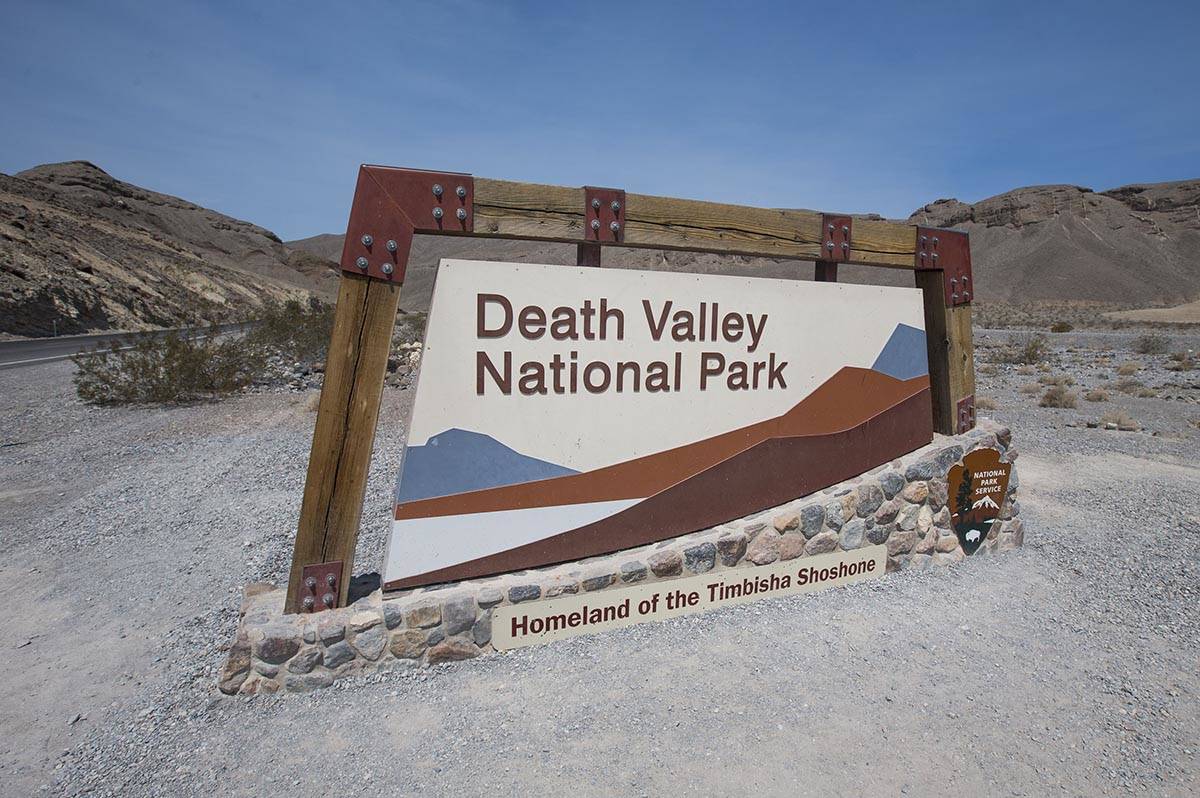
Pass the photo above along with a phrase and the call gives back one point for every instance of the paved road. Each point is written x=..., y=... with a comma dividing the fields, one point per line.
x=31, y=351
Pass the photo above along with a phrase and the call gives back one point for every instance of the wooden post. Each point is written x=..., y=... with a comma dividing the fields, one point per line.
x=345, y=430
x=948, y=337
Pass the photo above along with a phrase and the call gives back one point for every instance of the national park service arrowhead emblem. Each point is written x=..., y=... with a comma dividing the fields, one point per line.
x=977, y=490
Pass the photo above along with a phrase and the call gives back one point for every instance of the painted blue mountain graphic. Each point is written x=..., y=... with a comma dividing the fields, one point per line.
x=456, y=461
x=904, y=355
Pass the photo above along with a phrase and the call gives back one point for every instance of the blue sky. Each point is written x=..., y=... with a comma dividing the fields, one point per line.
x=264, y=110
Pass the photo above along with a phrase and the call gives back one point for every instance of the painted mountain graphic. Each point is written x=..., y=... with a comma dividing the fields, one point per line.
x=904, y=356
x=854, y=421
x=985, y=502
x=459, y=461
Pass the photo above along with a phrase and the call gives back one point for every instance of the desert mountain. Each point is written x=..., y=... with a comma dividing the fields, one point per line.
x=90, y=252
x=1133, y=246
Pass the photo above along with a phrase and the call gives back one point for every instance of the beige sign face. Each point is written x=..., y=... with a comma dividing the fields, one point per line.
x=561, y=412
x=571, y=616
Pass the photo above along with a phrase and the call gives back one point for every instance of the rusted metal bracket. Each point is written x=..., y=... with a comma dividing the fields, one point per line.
x=965, y=416
x=950, y=252
x=390, y=205
x=825, y=271
x=836, y=231
x=319, y=588
x=604, y=214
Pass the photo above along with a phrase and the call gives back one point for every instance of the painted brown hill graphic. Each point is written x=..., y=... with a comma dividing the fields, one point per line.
x=845, y=400
x=895, y=418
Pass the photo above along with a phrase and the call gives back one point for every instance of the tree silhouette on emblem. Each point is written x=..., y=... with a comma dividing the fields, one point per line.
x=962, y=499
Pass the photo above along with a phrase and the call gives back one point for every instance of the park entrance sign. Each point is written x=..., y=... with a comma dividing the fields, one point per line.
x=566, y=412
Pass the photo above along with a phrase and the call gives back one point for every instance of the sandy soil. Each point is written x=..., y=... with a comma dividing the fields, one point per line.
x=1180, y=314
x=1067, y=667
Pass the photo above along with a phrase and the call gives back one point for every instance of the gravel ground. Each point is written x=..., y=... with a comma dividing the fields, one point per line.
x=1068, y=667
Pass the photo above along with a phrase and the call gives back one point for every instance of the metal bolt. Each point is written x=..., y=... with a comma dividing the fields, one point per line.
x=361, y=263
x=966, y=296
x=616, y=206
x=386, y=268
x=614, y=227
x=437, y=189
x=308, y=602
x=953, y=282
x=461, y=213
x=935, y=256
x=845, y=230
x=596, y=203
x=311, y=582
x=437, y=213
x=954, y=297
x=367, y=240
x=831, y=228
x=966, y=279
x=461, y=192
x=829, y=245
x=935, y=240
x=327, y=599
x=845, y=246
x=595, y=224
x=922, y=256
x=330, y=579
x=391, y=245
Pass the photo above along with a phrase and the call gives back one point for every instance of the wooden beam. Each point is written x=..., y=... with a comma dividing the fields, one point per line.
x=504, y=209
x=345, y=429
x=951, y=346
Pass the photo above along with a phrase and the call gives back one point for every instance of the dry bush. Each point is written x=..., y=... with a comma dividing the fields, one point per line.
x=166, y=369
x=1056, y=379
x=1151, y=344
x=293, y=330
x=1030, y=388
x=1146, y=393
x=1026, y=370
x=172, y=368
x=1029, y=351
x=984, y=403
x=987, y=370
x=1129, y=367
x=1129, y=385
x=1096, y=395
x=1182, y=361
x=1121, y=419
x=1058, y=396
x=1061, y=327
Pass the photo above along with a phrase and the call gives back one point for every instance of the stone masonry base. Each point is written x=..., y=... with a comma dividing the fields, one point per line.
x=901, y=504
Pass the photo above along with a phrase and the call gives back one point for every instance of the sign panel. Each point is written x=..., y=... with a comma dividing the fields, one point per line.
x=543, y=621
x=977, y=490
x=565, y=412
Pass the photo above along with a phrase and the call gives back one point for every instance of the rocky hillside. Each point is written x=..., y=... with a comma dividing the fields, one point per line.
x=1136, y=245
x=85, y=251
x=1132, y=246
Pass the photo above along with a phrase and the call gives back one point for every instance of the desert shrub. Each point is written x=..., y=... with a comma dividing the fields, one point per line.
x=170, y=368
x=1120, y=419
x=293, y=330
x=1030, y=388
x=1151, y=344
x=987, y=370
x=1061, y=327
x=1096, y=395
x=1056, y=379
x=1026, y=370
x=1146, y=393
x=1129, y=385
x=1029, y=351
x=1128, y=368
x=984, y=403
x=1182, y=361
x=1057, y=396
